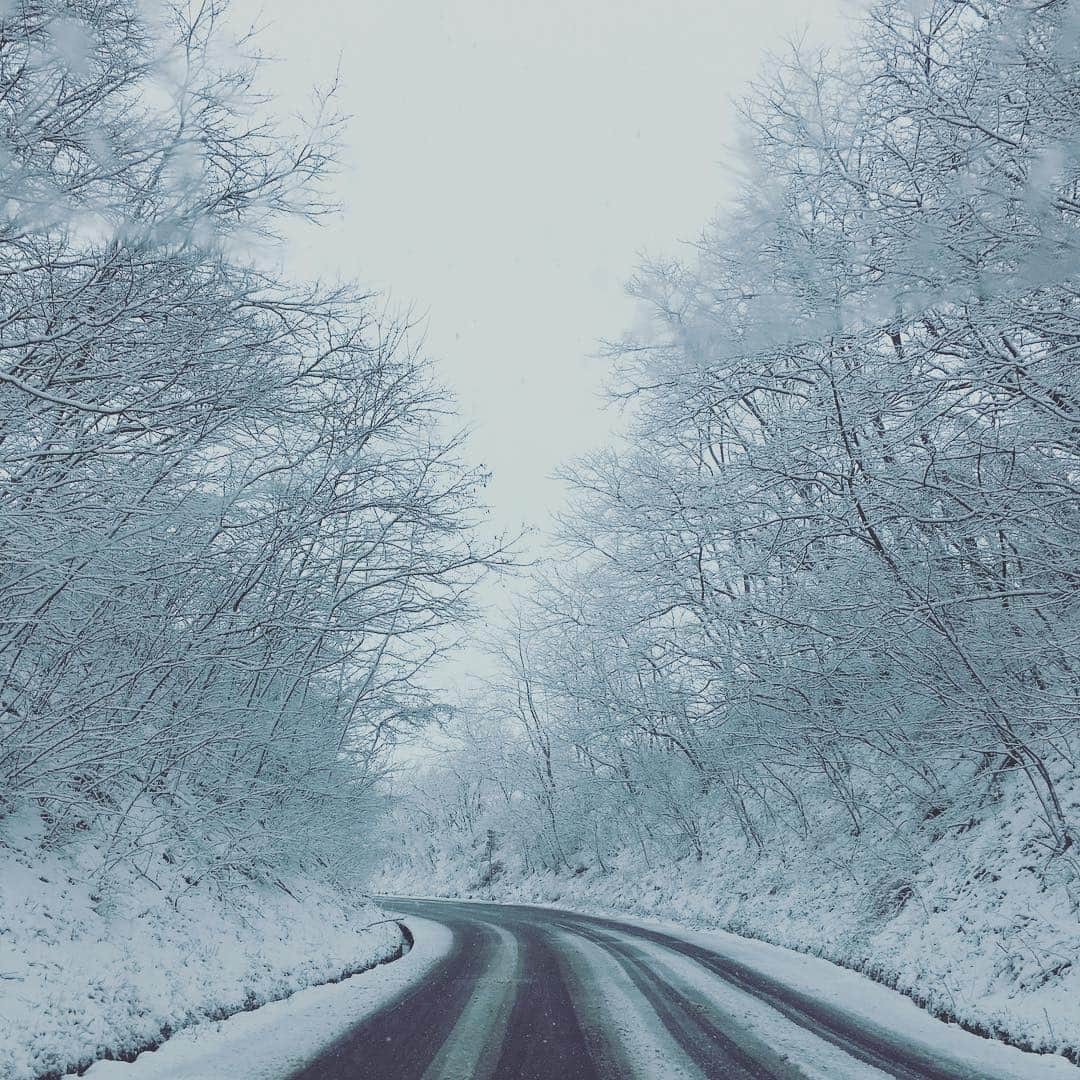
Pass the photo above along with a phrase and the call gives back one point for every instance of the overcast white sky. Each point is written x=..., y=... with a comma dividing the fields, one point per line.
x=507, y=163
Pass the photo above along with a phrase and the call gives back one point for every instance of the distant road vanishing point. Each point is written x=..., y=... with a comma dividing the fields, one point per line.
x=537, y=994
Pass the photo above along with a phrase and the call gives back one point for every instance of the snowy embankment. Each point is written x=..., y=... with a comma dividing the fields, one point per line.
x=105, y=970
x=273, y=1042
x=968, y=916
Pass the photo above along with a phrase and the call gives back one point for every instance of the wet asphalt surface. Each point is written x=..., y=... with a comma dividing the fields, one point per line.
x=546, y=1031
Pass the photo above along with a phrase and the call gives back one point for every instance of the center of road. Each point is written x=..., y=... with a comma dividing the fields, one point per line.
x=475, y=1043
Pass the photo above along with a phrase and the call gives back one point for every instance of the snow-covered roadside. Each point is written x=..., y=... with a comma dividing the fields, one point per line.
x=89, y=970
x=272, y=1042
x=875, y=1008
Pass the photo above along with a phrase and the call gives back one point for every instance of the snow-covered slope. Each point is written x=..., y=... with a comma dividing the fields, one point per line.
x=968, y=916
x=275, y=1041
x=89, y=970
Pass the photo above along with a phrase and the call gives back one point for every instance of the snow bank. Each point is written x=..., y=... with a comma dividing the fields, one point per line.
x=91, y=970
x=275, y=1041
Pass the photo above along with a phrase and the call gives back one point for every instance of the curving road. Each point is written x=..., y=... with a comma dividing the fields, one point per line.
x=534, y=994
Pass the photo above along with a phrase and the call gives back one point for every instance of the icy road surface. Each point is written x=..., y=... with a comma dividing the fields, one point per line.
x=525, y=993
x=530, y=993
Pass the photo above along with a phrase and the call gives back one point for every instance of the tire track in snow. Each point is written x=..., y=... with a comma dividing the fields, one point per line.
x=876, y=1047
x=718, y=1047
x=760, y=1041
x=400, y=1040
x=626, y=1037
x=545, y=1039
x=474, y=1046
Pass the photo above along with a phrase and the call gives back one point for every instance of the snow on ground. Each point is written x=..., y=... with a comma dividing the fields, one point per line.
x=966, y=914
x=273, y=1042
x=87, y=969
x=876, y=1009
x=618, y=1022
x=752, y=1025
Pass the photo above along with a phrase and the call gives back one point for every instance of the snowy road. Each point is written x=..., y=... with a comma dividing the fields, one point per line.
x=532, y=994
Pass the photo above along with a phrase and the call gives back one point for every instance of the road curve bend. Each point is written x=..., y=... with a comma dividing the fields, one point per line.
x=536, y=994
